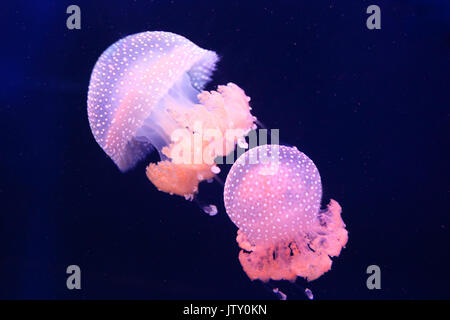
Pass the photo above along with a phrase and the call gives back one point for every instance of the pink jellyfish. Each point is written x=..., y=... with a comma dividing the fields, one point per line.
x=145, y=93
x=273, y=194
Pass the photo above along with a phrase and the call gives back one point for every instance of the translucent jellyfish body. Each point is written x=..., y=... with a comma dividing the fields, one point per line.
x=145, y=93
x=273, y=194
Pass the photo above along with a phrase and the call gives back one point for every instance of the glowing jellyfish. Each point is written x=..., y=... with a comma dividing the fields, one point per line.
x=273, y=194
x=145, y=93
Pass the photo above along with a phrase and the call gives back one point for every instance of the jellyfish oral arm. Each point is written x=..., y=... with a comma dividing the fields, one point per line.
x=203, y=135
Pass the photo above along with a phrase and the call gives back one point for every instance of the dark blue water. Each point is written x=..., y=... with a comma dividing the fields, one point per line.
x=369, y=107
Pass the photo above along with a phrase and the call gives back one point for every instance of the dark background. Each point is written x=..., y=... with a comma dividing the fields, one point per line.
x=369, y=107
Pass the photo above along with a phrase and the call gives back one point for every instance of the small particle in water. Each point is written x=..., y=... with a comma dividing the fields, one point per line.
x=309, y=294
x=210, y=209
x=279, y=294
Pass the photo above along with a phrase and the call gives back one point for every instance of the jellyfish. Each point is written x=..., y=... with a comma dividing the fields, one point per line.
x=273, y=195
x=146, y=93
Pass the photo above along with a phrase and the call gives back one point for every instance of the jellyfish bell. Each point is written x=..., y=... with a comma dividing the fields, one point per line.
x=273, y=194
x=145, y=93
